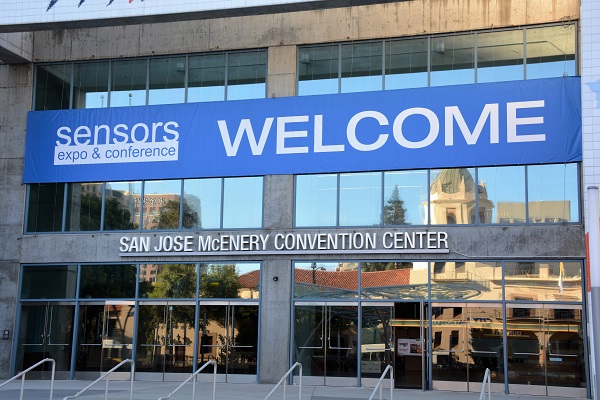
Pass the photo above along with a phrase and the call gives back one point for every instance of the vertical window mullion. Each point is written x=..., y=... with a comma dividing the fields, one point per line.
x=524, y=54
x=526, y=194
x=64, y=207
x=225, y=89
x=185, y=79
x=71, y=83
x=147, y=81
x=428, y=65
x=222, y=202
x=475, y=57
x=181, y=196
x=339, y=194
x=339, y=78
x=383, y=64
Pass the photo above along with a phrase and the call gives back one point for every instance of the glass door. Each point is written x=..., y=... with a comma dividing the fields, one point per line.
x=377, y=342
x=450, y=340
x=45, y=331
x=165, y=342
x=228, y=334
x=326, y=342
x=411, y=346
x=104, y=339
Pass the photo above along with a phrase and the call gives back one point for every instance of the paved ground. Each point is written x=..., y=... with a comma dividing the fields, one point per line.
x=119, y=390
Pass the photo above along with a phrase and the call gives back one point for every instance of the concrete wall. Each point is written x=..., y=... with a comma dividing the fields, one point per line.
x=406, y=18
x=15, y=86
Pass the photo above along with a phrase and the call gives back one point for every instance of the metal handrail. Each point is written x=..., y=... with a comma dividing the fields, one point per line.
x=206, y=364
x=22, y=375
x=388, y=368
x=486, y=377
x=284, y=381
x=105, y=375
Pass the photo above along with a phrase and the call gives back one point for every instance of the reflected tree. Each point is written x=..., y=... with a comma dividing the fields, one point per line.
x=169, y=216
x=394, y=212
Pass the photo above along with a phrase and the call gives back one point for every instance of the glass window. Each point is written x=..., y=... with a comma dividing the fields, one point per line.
x=202, y=203
x=550, y=51
x=206, y=78
x=107, y=281
x=325, y=280
x=501, y=195
x=230, y=281
x=166, y=281
x=553, y=193
x=500, y=56
x=405, y=196
x=122, y=206
x=406, y=64
x=45, y=207
x=84, y=207
x=452, y=60
x=52, y=87
x=167, y=80
x=90, y=85
x=543, y=281
x=316, y=200
x=360, y=199
x=473, y=280
x=247, y=75
x=362, y=67
x=162, y=200
x=394, y=280
x=49, y=282
x=452, y=196
x=242, y=202
x=128, y=86
x=318, y=70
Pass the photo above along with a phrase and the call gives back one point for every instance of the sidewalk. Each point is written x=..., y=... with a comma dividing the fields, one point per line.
x=119, y=390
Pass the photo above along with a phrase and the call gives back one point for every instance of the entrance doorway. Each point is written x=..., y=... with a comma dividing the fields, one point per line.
x=45, y=331
x=410, y=334
x=104, y=338
x=228, y=334
x=165, y=340
x=326, y=342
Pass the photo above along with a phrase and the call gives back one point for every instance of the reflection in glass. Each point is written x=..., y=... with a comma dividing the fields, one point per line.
x=230, y=281
x=485, y=327
x=165, y=338
x=326, y=340
x=202, y=203
x=52, y=87
x=167, y=80
x=84, y=207
x=452, y=60
x=553, y=194
x=565, y=356
x=450, y=342
x=45, y=207
x=167, y=281
x=525, y=334
x=316, y=200
x=360, y=199
x=122, y=205
x=501, y=195
x=49, y=282
x=161, y=205
x=377, y=347
x=45, y=331
x=394, y=280
x=206, y=80
x=325, y=280
x=246, y=75
x=90, y=85
x=128, y=86
x=107, y=281
x=452, y=196
x=242, y=202
x=361, y=67
x=550, y=51
x=500, y=56
x=105, y=336
x=318, y=70
x=406, y=64
x=405, y=193
x=543, y=281
x=473, y=280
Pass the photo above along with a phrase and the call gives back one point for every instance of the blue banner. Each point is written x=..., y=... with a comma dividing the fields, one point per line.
x=522, y=122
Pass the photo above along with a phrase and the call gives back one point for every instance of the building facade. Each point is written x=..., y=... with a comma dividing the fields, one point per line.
x=348, y=187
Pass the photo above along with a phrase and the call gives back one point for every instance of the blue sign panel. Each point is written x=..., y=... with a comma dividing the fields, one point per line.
x=524, y=122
